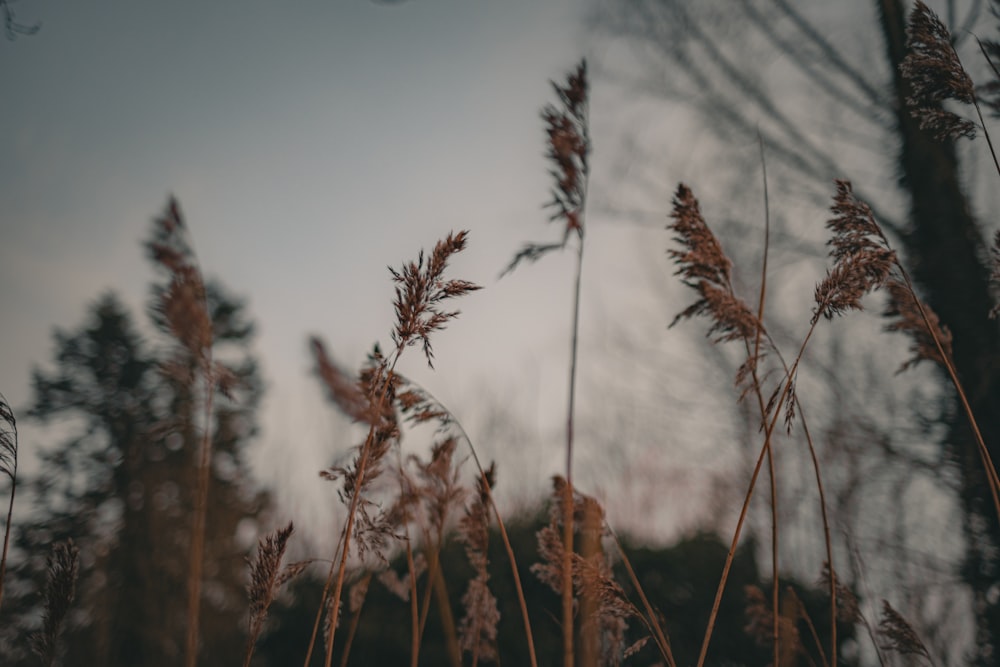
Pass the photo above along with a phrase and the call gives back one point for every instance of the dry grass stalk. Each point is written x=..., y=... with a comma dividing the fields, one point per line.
x=478, y=627
x=63, y=568
x=8, y=466
x=265, y=580
x=900, y=635
x=356, y=597
x=591, y=576
x=183, y=305
x=420, y=291
x=568, y=143
x=604, y=605
x=651, y=619
x=995, y=273
x=704, y=267
x=440, y=490
x=420, y=406
x=863, y=262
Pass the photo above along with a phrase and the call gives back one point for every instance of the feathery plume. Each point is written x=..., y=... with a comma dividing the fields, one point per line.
x=550, y=542
x=63, y=568
x=8, y=466
x=183, y=304
x=862, y=257
x=899, y=634
x=420, y=289
x=265, y=572
x=704, y=267
x=342, y=389
x=593, y=576
x=8, y=440
x=904, y=312
x=478, y=627
x=935, y=74
x=568, y=141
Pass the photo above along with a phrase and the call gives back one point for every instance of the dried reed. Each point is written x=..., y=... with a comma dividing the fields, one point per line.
x=8, y=466
x=420, y=291
x=478, y=628
x=567, y=128
x=265, y=580
x=63, y=568
x=183, y=306
x=900, y=635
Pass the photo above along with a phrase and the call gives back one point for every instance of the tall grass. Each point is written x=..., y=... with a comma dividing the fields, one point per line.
x=404, y=504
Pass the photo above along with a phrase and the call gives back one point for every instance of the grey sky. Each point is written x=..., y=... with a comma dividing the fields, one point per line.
x=310, y=144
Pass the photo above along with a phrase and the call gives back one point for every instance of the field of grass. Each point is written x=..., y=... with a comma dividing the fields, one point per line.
x=428, y=571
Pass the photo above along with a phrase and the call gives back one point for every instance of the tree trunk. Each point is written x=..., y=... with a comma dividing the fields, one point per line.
x=947, y=256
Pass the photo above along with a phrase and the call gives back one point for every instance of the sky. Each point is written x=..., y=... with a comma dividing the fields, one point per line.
x=310, y=145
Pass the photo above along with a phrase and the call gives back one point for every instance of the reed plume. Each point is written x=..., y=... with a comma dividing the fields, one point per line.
x=568, y=149
x=478, y=627
x=63, y=569
x=265, y=580
x=907, y=316
x=899, y=635
x=862, y=259
x=183, y=309
x=935, y=74
x=8, y=466
x=704, y=267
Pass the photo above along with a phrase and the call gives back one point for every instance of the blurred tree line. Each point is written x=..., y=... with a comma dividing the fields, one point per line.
x=121, y=484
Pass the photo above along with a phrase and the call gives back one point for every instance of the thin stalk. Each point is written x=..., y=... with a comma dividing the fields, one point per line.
x=447, y=620
x=353, y=510
x=198, y=528
x=772, y=477
x=522, y=603
x=508, y=548
x=812, y=628
x=659, y=636
x=984, y=452
x=567, y=563
x=352, y=629
x=860, y=574
x=979, y=112
x=826, y=537
x=414, y=612
x=322, y=597
x=786, y=390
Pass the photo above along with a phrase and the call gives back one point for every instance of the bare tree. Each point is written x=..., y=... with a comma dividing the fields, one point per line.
x=820, y=83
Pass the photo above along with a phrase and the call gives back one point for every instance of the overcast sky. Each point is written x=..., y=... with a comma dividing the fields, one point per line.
x=310, y=145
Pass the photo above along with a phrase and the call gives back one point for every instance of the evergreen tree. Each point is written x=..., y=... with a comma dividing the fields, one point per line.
x=122, y=486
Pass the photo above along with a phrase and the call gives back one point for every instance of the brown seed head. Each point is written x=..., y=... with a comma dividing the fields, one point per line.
x=935, y=74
